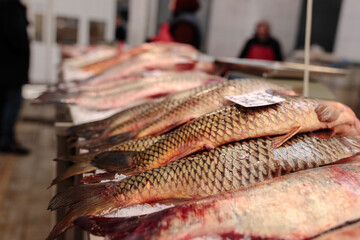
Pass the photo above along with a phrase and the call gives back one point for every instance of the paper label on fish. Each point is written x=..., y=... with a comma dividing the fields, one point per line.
x=255, y=99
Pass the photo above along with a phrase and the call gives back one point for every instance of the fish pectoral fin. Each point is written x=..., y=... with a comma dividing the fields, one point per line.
x=323, y=134
x=326, y=112
x=280, y=140
x=208, y=147
x=168, y=128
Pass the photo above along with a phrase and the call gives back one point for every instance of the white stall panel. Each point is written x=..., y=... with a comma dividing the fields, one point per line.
x=232, y=23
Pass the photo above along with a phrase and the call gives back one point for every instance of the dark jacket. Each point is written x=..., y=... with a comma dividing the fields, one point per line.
x=185, y=28
x=256, y=49
x=14, y=44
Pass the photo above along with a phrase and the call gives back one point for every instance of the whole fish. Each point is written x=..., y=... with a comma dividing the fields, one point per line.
x=145, y=62
x=179, y=48
x=92, y=128
x=206, y=102
x=145, y=91
x=144, y=112
x=223, y=169
x=235, y=123
x=102, y=65
x=82, y=161
x=144, y=117
x=295, y=206
x=168, y=76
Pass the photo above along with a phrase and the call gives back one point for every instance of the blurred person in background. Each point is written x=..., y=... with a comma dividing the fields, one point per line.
x=183, y=27
x=14, y=69
x=262, y=45
x=121, y=21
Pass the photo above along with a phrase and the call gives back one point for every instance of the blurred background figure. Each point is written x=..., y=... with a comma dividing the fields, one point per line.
x=183, y=27
x=121, y=21
x=262, y=45
x=14, y=69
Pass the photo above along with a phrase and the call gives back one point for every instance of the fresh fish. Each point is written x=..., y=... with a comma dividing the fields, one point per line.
x=82, y=161
x=92, y=128
x=145, y=62
x=295, y=206
x=154, y=48
x=193, y=107
x=168, y=76
x=223, y=169
x=145, y=91
x=103, y=65
x=207, y=102
x=157, y=110
x=235, y=123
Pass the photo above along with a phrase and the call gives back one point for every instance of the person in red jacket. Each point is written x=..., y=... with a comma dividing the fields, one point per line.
x=262, y=45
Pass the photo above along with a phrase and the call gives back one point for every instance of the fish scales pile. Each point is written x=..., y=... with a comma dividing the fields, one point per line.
x=221, y=164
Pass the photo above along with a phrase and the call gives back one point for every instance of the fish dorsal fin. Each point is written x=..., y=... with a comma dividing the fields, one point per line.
x=326, y=112
x=280, y=140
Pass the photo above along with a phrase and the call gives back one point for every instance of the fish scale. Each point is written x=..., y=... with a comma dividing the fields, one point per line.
x=202, y=175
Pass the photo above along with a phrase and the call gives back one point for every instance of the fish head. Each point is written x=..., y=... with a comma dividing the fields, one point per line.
x=339, y=117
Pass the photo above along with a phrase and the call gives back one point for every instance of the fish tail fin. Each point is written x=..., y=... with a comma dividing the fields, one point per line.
x=101, y=226
x=55, y=97
x=84, y=157
x=73, y=170
x=115, y=161
x=100, y=143
x=86, y=130
x=88, y=200
x=96, y=178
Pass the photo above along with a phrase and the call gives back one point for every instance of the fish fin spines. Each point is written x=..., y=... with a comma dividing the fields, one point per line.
x=100, y=143
x=85, y=157
x=73, y=170
x=327, y=113
x=280, y=140
x=75, y=194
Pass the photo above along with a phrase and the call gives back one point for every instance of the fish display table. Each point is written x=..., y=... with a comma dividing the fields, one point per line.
x=174, y=139
x=70, y=115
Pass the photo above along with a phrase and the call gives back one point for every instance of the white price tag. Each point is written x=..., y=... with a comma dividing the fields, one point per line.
x=255, y=99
